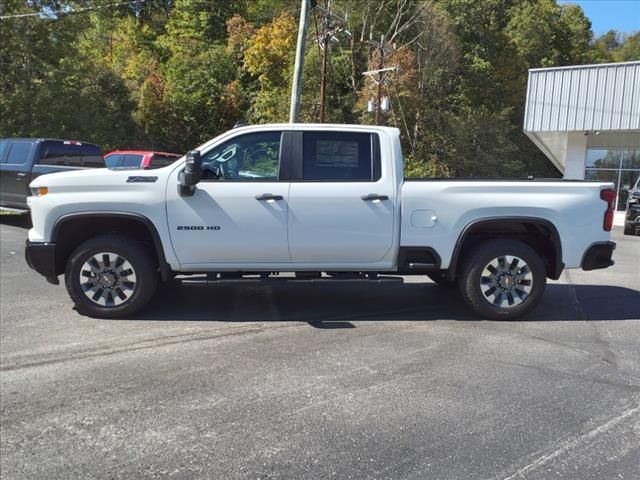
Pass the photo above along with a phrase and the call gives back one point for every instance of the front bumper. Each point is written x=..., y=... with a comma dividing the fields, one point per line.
x=632, y=217
x=598, y=256
x=41, y=257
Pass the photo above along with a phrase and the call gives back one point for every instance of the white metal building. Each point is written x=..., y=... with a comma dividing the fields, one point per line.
x=586, y=120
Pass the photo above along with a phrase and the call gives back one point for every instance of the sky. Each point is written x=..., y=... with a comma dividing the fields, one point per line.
x=605, y=15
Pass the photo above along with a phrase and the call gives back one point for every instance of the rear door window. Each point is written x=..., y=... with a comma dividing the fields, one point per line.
x=339, y=157
x=61, y=154
x=18, y=153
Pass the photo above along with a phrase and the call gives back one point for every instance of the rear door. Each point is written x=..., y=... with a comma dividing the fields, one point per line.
x=15, y=171
x=341, y=200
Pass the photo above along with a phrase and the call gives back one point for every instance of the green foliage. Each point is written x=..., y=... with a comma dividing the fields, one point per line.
x=170, y=74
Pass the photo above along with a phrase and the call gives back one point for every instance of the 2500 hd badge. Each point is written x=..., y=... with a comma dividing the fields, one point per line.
x=198, y=227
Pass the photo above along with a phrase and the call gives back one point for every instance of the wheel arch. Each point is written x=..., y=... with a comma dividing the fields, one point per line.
x=539, y=233
x=103, y=222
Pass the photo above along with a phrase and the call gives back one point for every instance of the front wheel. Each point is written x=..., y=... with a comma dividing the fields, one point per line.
x=110, y=276
x=502, y=279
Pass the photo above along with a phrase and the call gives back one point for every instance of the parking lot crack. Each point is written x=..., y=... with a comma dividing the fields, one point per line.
x=579, y=441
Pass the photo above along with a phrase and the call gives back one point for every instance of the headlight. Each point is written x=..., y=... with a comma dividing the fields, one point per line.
x=39, y=192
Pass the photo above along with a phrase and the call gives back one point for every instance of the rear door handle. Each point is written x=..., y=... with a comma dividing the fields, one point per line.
x=268, y=196
x=374, y=196
x=21, y=175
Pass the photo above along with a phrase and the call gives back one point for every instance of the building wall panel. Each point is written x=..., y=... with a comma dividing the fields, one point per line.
x=592, y=97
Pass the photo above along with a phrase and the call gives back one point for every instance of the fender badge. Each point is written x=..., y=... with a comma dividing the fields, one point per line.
x=142, y=179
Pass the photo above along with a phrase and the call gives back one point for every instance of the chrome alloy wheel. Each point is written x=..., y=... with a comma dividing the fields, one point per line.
x=506, y=281
x=107, y=279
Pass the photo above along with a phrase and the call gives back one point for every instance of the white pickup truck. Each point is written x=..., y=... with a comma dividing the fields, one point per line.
x=322, y=202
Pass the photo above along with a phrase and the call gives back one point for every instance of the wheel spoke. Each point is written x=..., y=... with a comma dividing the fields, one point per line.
x=489, y=292
x=109, y=300
x=514, y=264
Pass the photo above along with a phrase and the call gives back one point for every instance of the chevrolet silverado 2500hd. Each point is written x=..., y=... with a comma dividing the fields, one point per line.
x=325, y=202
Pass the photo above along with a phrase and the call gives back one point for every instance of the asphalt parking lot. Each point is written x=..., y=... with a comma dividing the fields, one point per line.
x=308, y=381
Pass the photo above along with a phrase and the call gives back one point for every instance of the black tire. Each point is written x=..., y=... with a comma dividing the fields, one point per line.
x=471, y=280
x=629, y=230
x=442, y=280
x=139, y=261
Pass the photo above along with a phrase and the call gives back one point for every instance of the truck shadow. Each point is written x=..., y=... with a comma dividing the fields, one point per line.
x=335, y=306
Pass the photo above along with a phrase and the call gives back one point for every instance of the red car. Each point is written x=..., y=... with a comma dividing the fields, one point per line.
x=139, y=159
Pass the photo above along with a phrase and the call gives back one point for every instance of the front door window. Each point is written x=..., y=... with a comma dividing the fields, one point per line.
x=251, y=157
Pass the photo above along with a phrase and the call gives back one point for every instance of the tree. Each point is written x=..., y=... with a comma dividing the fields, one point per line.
x=268, y=57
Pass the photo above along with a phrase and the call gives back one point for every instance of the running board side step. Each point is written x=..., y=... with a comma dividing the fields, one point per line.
x=209, y=280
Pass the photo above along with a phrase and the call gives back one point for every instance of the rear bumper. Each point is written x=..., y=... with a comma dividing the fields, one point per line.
x=41, y=257
x=598, y=256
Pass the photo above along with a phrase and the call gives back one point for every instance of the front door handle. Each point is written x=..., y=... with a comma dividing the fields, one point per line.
x=374, y=196
x=268, y=196
x=21, y=175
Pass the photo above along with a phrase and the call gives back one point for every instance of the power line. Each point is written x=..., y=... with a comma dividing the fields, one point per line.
x=68, y=12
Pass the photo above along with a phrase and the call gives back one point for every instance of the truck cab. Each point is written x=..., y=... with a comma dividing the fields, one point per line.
x=24, y=159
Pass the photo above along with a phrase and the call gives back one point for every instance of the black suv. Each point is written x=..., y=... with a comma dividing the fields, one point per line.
x=23, y=159
x=632, y=215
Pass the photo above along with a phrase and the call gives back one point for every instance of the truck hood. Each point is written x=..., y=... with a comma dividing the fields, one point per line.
x=97, y=178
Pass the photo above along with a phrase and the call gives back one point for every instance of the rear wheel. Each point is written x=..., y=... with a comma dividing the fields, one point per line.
x=502, y=279
x=110, y=276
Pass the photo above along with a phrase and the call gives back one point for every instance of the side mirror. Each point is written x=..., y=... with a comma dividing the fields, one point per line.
x=191, y=174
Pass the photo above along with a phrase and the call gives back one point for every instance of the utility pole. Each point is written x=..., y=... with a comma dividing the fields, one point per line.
x=296, y=87
x=326, y=38
x=381, y=75
x=331, y=25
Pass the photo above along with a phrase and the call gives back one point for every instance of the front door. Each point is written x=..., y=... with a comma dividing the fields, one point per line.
x=238, y=213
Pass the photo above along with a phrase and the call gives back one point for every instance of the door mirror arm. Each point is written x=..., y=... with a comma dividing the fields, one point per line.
x=191, y=175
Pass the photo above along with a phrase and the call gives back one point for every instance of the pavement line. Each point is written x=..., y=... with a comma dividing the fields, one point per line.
x=570, y=444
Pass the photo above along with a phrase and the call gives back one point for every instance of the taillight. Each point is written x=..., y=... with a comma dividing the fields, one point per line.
x=609, y=196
